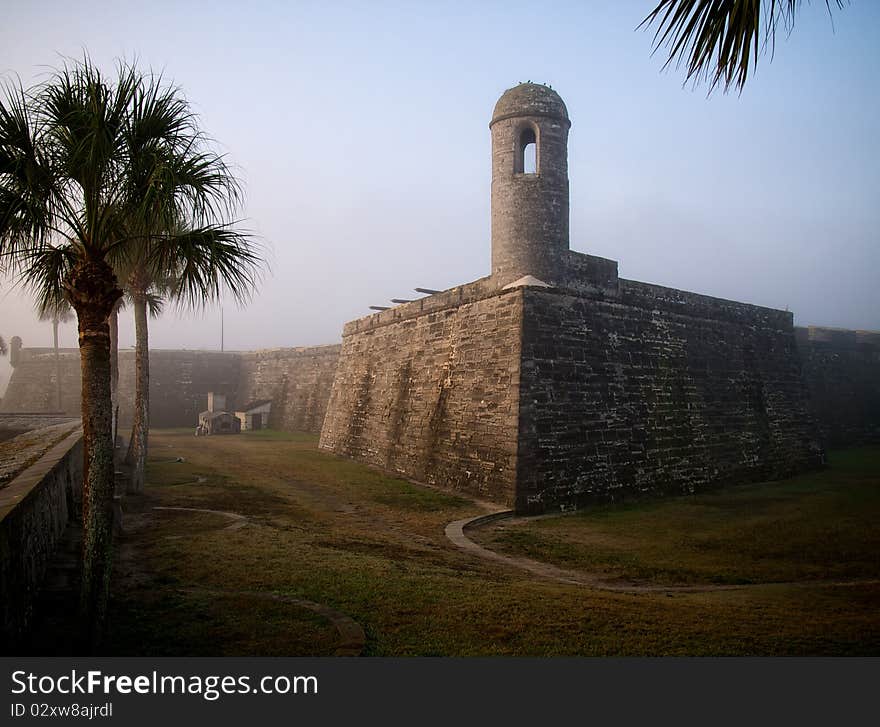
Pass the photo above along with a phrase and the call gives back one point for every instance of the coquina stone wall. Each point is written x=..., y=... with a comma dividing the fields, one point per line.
x=35, y=508
x=656, y=390
x=33, y=388
x=297, y=380
x=179, y=384
x=842, y=371
x=428, y=390
x=710, y=411
x=541, y=397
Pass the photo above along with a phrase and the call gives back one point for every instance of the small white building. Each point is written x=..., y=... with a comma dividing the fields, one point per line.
x=215, y=420
x=254, y=415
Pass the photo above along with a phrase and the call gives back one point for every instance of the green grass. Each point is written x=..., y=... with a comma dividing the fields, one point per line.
x=332, y=531
x=207, y=624
x=823, y=525
x=276, y=435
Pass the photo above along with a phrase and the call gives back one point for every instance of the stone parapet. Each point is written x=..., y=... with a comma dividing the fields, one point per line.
x=35, y=508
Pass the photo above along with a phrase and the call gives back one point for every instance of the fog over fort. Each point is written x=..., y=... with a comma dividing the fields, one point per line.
x=360, y=132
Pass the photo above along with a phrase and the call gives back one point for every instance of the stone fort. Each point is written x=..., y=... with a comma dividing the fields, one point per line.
x=550, y=382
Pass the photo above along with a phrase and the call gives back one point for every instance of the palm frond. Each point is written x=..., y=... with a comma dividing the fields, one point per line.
x=57, y=310
x=155, y=303
x=206, y=260
x=719, y=41
x=153, y=297
x=174, y=172
x=44, y=273
x=26, y=189
x=117, y=169
x=85, y=115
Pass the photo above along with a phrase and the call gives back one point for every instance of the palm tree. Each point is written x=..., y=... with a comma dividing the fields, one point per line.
x=58, y=312
x=88, y=175
x=146, y=297
x=719, y=40
x=113, y=322
x=179, y=179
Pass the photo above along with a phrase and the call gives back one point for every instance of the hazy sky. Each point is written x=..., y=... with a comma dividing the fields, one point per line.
x=360, y=130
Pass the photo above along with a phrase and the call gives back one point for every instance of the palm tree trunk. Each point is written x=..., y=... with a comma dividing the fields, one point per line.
x=141, y=426
x=57, y=363
x=93, y=292
x=114, y=369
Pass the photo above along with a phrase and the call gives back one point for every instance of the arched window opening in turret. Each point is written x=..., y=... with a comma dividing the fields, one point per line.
x=527, y=153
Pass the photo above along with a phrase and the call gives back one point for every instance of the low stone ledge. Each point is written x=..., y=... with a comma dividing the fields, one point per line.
x=35, y=508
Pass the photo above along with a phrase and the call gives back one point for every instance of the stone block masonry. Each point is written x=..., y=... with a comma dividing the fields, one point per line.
x=542, y=398
x=297, y=380
x=842, y=371
x=35, y=509
x=655, y=391
x=427, y=390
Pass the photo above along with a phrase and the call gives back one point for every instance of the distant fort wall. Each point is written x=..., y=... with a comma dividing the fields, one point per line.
x=179, y=384
x=32, y=386
x=297, y=380
x=841, y=369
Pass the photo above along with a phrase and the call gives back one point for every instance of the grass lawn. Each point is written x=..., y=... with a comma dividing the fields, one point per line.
x=335, y=532
x=820, y=526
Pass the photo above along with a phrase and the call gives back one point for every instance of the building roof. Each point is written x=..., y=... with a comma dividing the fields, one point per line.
x=257, y=403
x=214, y=414
x=529, y=99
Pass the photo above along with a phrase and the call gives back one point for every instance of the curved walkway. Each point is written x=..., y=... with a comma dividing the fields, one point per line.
x=455, y=532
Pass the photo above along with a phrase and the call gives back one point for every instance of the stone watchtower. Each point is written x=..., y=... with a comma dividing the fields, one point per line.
x=529, y=185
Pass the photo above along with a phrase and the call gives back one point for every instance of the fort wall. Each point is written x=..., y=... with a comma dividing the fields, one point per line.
x=656, y=390
x=179, y=384
x=297, y=380
x=32, y=387
x=428, y=390
x=841, y=369
x=702, y=382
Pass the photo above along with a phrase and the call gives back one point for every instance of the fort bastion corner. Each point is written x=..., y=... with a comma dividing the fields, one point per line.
x=553, y=381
